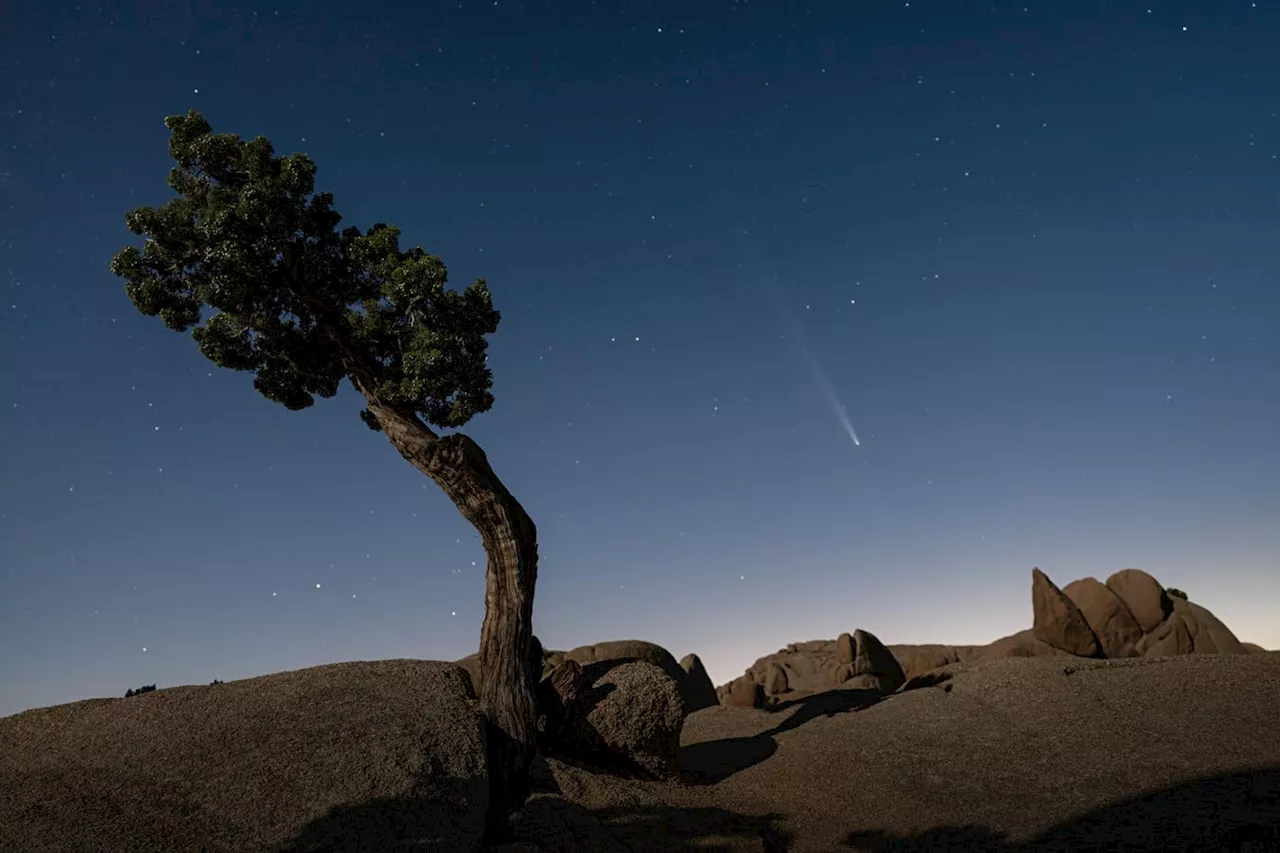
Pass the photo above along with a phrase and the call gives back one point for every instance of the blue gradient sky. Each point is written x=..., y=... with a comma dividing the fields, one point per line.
x=1033, y=246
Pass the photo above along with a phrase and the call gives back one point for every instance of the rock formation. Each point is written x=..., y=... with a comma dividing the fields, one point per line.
x=1143, y=595
x=337, y=757
x=627, y=722
x=1139, y=618
x=599, y=657
x=1057, y=621
x=558, y=696
x=873, y=666
x=1190, y=629
x=919, y=659
x=1131, y=615
x=695, y=685
x=775, y=680
x=1111, y=620
x=742, y=693
x=698, y=690
x=855, y=661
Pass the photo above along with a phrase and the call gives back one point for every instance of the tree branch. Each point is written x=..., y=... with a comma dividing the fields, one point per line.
x=333, y=324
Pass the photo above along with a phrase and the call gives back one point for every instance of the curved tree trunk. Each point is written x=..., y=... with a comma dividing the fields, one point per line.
x=507, y=675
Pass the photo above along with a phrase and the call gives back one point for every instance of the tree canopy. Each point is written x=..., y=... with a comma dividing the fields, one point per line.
x=249, y=258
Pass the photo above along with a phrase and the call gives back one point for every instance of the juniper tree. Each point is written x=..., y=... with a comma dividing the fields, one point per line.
x=249, y=259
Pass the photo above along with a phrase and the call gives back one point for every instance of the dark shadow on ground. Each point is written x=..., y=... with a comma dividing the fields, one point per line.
x=668, y=829
x=403, y=825
x=1237, y=812
x=554, y=822
x=826, y=704
x=928, y=679
x=713, y=761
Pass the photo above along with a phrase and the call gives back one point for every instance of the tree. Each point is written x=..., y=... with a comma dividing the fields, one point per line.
x=248, y=257
x=1176, y=593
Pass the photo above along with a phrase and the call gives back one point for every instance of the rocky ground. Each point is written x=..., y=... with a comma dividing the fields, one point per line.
x=1006, y=755
x=1125, y=718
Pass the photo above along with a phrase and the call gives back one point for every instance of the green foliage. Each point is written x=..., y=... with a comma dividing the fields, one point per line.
x=1176, y=593
x=248, y=257
x=146, y=688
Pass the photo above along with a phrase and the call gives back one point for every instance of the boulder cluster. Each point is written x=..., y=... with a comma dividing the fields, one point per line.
x=617, y=706
x=1130, y=615
x=857, y=661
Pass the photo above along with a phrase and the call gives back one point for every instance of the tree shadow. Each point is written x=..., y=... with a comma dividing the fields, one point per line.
x=555, y=822
x=669, y=829
x=400, y=824
x=713, y=761
x=552, y=822
x=1232, y=812
x=962, y=838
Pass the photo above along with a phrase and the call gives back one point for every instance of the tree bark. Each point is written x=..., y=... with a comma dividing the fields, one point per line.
x=508, y=679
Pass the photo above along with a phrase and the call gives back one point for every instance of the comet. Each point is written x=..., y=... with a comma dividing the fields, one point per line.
x=796, y=333
x=793, y=330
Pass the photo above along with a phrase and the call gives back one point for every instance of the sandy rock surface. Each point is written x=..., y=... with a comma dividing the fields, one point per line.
x=329, y=755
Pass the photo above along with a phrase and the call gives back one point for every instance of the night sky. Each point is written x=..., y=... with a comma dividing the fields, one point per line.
x=816, y=317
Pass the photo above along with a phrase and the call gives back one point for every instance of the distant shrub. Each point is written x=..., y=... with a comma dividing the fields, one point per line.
x=1176, y=593
x=146, y=688
x=215, y=681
